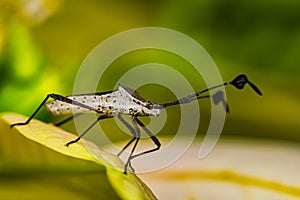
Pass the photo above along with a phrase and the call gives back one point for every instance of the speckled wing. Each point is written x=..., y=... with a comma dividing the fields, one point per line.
x=57, y=107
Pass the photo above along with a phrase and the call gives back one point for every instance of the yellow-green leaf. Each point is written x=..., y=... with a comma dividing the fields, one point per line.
x=46, y=135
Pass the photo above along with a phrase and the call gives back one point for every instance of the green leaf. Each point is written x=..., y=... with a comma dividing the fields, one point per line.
x=28, y=150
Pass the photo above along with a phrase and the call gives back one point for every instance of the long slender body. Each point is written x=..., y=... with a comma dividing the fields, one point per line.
x=126, y=101
x=122, y=100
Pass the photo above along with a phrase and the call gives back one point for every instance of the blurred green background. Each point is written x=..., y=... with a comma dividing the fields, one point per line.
x=42, y=44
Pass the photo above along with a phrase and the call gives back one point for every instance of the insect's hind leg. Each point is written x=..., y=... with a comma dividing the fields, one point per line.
x=67, y=119
x=55, y=97
x=34, y=113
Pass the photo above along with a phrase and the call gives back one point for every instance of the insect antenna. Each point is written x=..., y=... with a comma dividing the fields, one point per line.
x=239, y=82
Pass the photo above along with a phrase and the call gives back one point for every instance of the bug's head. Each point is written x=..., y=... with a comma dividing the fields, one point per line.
x=152, y=109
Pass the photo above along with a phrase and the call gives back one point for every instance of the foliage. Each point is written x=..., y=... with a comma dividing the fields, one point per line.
x=24, y=151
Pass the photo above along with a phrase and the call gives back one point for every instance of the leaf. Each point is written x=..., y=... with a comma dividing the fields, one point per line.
x=46, y=135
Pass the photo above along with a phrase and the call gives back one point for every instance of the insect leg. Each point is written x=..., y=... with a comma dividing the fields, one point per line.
x=34, y=113
x=67, y=119
x=131, y=129
x=55, y=97
x=136, y=133
x=153, y=138
x=86, y=130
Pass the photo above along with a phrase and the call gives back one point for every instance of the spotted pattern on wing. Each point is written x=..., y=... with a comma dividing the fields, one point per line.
x=122, y=100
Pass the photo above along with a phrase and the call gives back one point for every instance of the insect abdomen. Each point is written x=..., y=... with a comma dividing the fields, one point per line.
x=61, y=108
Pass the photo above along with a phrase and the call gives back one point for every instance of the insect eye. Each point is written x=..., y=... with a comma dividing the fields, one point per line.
x=150, y=106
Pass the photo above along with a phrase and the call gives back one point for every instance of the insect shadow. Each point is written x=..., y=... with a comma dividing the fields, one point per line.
x=125, y=101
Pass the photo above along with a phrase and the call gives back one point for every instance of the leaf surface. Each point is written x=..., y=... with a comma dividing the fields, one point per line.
x=25, y=145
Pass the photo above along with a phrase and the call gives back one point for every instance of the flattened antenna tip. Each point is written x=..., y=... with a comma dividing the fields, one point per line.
x=241, y=80
x=255, y=88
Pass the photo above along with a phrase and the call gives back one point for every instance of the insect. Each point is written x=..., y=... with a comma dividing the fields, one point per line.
x=125, y=101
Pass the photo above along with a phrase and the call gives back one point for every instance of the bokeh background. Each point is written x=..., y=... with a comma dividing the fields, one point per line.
x=43, y=42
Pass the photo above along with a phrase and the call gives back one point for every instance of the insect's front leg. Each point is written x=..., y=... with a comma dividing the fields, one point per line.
x=131, y=129
x=152, y=137
x=137, y=135
x=135, y=122
x=135, y=131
